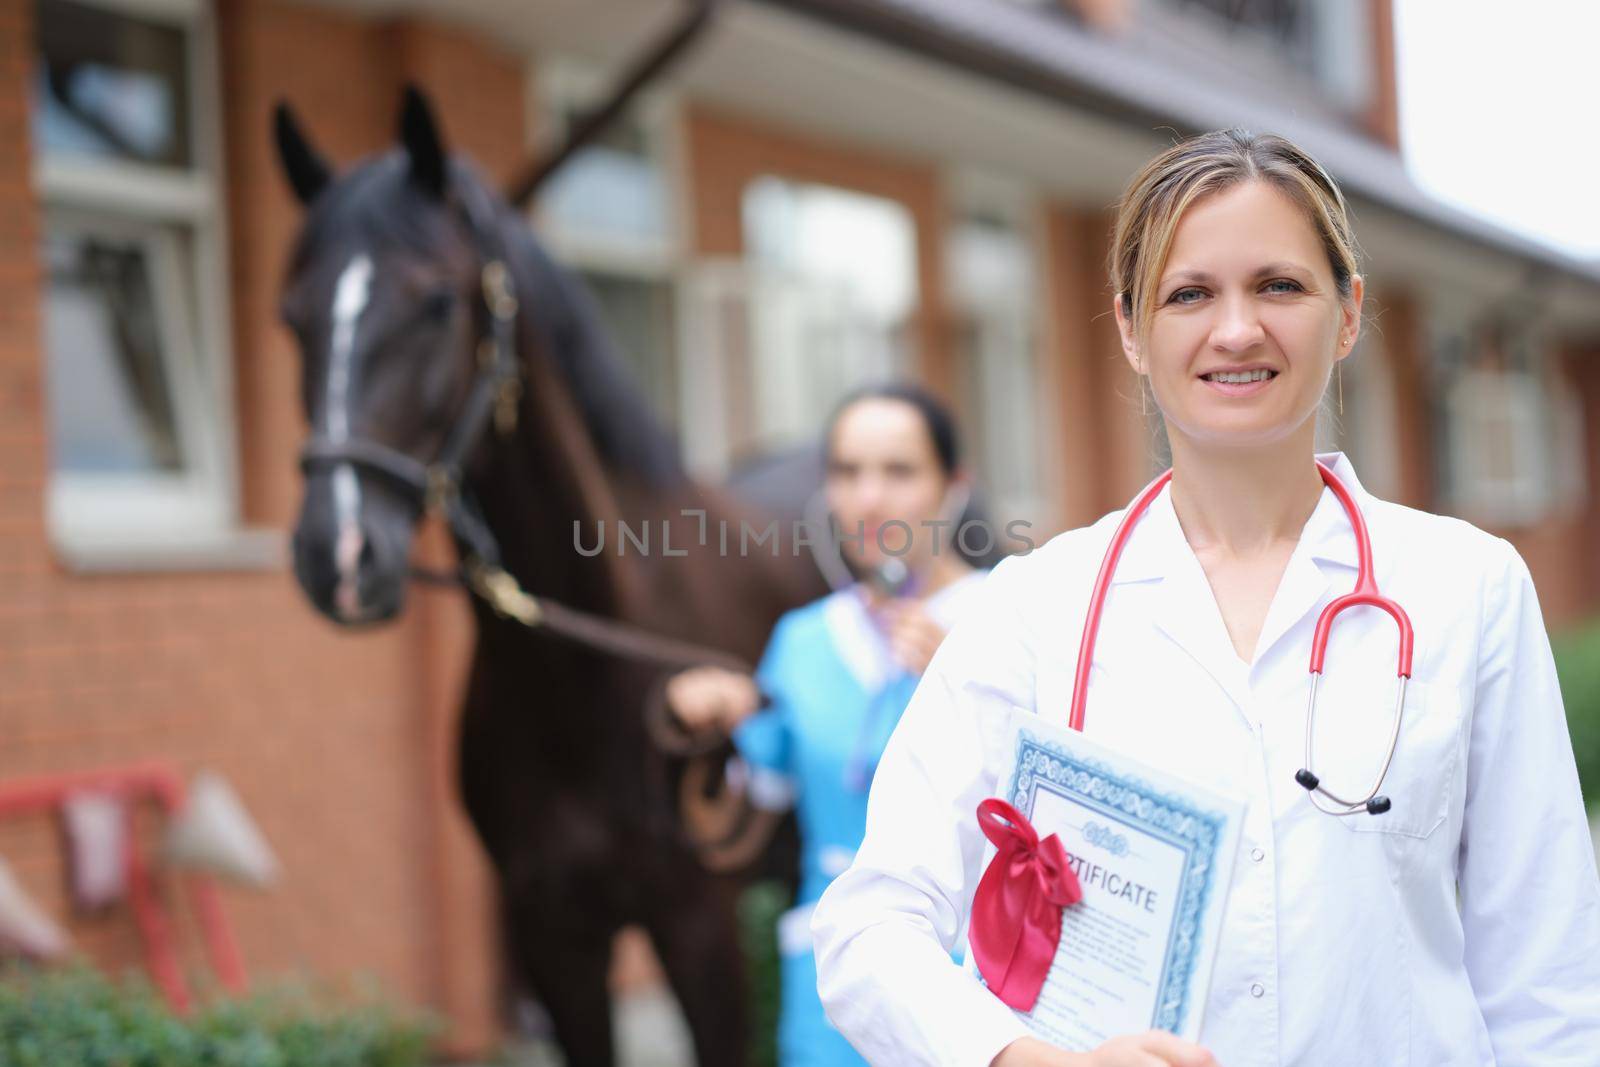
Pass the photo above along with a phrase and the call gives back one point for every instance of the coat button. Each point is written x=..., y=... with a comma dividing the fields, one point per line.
x=1257, y=990
x=1257, y=855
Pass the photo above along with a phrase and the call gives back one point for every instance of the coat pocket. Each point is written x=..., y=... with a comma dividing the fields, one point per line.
x=1352, y=735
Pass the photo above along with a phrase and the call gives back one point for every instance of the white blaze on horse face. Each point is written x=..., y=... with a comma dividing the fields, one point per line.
x=350, y=295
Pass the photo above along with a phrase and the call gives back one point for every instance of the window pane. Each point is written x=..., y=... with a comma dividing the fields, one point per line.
x=638, y=315
x=109, y=86
x=992, y=286
x=1283, y=19
x=835, y=293
x=110, y=395
x=613, y=189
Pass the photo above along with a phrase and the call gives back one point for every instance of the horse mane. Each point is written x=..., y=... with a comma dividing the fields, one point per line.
x=628, y=434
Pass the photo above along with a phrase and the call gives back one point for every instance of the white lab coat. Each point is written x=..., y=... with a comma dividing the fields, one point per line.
x=1461, y=927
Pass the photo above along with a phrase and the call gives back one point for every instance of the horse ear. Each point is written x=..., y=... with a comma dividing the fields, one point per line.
x=419, y=133
x=306, y=170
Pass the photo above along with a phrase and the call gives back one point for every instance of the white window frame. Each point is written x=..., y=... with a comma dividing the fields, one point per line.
x=973, y=191
x=144, y=501
x=1369, y=431
x=714, y=291
x=188, y=519
x=1525, y=495
x=719, y=428
x=1572, y=471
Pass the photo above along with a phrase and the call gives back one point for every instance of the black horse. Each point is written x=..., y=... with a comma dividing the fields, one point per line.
x=498, y=397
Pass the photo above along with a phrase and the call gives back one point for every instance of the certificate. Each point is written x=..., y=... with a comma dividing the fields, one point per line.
x=1153, y=855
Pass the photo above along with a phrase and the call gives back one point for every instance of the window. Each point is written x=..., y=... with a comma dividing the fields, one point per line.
x=1327, y=44
x=839, y=287
x=134, y=311
x=607, y=215
x=1283, y=21
x=822, y=302
x=640, y=314
x=993, y=287
x=1512, y=433
x=1369, y=427
x=1496, y=446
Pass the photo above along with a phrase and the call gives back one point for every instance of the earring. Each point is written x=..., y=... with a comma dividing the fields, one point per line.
x=1339, y=372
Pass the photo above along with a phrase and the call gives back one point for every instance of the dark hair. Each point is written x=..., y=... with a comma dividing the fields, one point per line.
x=936, y=417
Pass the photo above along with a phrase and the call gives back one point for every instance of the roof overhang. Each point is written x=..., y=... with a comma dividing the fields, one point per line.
x=995, y=87
x=1057, y=58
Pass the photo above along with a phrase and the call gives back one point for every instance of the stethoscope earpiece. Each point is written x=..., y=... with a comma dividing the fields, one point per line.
x=1309, y=782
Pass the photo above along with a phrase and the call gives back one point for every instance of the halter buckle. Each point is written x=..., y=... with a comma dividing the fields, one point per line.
x=441, y=489
x=506, y=402
x=497, y=295
x=500, y=589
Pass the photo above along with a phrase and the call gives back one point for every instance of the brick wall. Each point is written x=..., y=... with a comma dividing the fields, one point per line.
x=1563, y=552
x=340, y=744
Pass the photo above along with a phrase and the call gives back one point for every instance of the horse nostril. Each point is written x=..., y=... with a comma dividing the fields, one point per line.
x=379, y=556
x=367, y=562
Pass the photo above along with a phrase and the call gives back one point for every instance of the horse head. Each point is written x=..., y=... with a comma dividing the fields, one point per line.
x=388, y=298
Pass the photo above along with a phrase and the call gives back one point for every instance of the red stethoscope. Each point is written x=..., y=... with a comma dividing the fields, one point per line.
x=1366, y=594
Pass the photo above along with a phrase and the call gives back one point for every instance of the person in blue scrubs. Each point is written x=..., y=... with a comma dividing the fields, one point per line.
x=838, y=672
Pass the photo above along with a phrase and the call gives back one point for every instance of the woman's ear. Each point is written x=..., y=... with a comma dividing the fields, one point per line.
x=1350, y=318
x=1130, y=345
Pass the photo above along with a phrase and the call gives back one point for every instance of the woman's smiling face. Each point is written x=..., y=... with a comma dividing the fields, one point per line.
x=1248, y=321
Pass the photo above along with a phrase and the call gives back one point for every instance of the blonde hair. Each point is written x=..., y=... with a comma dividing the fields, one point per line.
x=1148, y=213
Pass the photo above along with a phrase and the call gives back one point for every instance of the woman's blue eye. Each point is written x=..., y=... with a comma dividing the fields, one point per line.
x=1178, y=297
x=1294, y=286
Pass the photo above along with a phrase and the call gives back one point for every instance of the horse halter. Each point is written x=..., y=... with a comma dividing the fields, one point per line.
x=438, y=487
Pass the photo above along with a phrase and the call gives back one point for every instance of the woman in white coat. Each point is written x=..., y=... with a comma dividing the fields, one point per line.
x=1460, y=926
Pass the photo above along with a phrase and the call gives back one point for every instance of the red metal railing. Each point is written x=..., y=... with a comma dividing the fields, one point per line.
x=133, y=784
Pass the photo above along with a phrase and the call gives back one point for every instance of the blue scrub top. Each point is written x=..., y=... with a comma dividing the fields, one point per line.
x=837, y=695
x=823, y=720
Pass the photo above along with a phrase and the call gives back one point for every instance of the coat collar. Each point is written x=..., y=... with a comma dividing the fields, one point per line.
x=1158, y=545
x=1185, y=608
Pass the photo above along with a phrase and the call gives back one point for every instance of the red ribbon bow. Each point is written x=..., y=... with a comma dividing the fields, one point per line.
x=1016, y=912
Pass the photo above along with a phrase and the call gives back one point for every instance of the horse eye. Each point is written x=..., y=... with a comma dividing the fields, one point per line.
x=437, y=305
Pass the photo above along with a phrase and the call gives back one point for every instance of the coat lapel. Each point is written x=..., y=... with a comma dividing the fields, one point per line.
x=1323, y=565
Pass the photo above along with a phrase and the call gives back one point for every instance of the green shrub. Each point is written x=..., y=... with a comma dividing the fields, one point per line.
x=760, y=905
x=1578, y=665
x=76, y=1016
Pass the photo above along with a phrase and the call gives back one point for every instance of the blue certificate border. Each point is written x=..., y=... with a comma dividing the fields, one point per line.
x=1042, y=764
